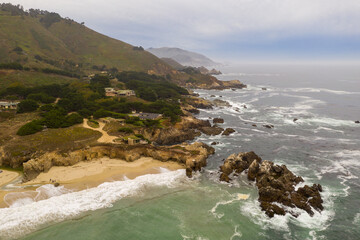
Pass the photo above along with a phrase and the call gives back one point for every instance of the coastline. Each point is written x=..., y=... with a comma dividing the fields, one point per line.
x=89, y=174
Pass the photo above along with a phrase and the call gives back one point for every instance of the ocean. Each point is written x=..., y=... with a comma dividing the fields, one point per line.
x=322, y=146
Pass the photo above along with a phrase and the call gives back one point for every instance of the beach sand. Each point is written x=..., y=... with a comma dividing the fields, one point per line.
x=90, y=174
x=5, y=178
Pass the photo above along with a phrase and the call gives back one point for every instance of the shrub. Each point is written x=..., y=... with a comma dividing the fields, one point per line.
x=27, y=106
x=13, y=65
x=125, y=130
x=41, y=97
x=72, y=119
x=30, y=128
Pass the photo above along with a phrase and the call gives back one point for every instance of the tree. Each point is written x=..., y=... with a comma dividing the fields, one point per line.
x=27, y=106
x=30, y=128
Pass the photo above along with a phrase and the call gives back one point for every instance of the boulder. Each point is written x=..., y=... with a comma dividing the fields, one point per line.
x=213, y=143
x=268, y=126
x=228, y=131
x=221, y=103
x=357, y=121
x=218, y=120
x=213, y=131
x=276, y=185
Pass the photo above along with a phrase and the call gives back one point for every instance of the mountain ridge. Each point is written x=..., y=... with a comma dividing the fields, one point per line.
x=184, y=57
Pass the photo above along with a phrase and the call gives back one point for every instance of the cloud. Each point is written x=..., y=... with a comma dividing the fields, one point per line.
x=204, y=24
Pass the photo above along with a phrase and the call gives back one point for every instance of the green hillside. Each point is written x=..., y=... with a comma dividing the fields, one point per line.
x=41, y=39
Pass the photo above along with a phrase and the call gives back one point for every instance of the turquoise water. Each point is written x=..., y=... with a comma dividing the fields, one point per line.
x=323, y=146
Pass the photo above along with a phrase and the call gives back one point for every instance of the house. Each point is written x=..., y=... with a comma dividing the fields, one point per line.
x=125, y=93
x=150, y=116
x=8, y=105
x=131, y=140
x=110, y=92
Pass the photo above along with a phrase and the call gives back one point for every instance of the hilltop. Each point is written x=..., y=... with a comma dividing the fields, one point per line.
x=183, y=57
x=35, y=44
x=37, y=38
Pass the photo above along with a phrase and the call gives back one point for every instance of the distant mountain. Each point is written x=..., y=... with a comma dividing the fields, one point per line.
x=183, y=57
x=173, y=63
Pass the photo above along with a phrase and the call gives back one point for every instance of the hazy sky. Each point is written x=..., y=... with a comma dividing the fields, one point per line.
x=225, y=29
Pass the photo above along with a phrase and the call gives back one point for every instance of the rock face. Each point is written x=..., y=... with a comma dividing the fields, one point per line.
x=213, y=131
x=192, y=156
x=199, y=102
x=276, y=185
x=187, y=129
x=228, y=131
x=221, y=103
x=218, y=120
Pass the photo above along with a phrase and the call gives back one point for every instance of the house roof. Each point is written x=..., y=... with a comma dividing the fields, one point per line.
x=149, y=115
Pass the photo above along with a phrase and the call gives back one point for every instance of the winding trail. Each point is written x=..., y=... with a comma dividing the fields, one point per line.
x=105, y=138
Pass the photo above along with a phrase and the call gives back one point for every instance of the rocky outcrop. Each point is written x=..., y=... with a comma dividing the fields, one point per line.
x=276, y=185
x=221, y=103
x=198, y=102
x=187, y=129
x=218, y=120
x=212, y=131
x=192, y=156
x=228, y=131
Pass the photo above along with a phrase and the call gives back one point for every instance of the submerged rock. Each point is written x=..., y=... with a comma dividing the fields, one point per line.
x=228, y=131
x=357, y=121
x=295, y=119
x=268, y=126
x=276, y=185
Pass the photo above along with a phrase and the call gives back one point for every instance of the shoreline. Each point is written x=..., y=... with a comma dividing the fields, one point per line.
x=84, y=175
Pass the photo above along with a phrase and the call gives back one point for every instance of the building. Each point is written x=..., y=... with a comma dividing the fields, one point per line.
x=125, y=93
x=110, y=92
x=6, y=105
x=150, y=116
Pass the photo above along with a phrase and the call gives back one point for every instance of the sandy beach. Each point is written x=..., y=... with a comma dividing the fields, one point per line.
x=85, y=175
x=5, y=178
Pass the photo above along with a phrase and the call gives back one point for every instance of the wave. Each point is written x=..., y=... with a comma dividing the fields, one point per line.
x=319, y=222
x=17, y=221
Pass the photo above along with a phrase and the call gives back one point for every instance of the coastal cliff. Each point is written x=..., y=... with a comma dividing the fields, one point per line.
x=192, y=156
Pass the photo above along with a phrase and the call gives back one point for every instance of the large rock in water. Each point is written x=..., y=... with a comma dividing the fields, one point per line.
x=276, y=185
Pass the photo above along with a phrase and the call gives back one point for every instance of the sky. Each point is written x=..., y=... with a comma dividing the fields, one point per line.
x=253, y=30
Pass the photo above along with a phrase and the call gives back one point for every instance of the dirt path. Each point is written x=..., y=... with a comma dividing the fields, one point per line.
x=105, y=138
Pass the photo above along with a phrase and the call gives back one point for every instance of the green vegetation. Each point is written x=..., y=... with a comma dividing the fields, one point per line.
x=41, y=97
x=126, y=130
x=30, y=128
x=151, y=87
x=27, y=106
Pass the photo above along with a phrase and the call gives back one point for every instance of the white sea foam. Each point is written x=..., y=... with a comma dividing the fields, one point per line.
x=21, y=220
x=357, y=219
x=318, y=90
x=237, y=233
x=319, y=222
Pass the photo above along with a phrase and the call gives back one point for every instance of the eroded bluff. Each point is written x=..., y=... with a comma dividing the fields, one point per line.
x=276, y=185
x=192, y=156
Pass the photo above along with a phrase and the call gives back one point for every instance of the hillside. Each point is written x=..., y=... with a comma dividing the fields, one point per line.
x=37, y=43
x=42, y=39
x=183, y=57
